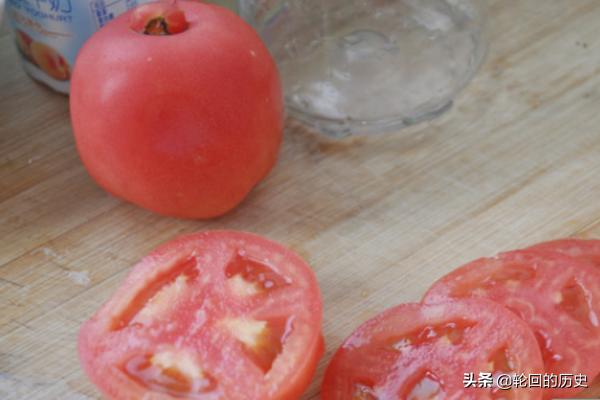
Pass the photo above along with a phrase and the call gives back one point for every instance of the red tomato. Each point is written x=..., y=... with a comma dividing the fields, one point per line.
x=215, y=315
x=418, y=352
x=558, y=296
x=581, y=249
x=184, y=120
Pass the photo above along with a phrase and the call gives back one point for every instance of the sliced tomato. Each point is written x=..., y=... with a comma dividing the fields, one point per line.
x=422, y=352
x=558, y=296
x=581, y=249
x=215, y=315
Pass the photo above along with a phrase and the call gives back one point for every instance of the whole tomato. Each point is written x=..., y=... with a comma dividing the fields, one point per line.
x=177, y=107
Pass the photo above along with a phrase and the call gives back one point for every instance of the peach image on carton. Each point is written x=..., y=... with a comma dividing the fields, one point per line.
x=50, y=61
x=24, y=44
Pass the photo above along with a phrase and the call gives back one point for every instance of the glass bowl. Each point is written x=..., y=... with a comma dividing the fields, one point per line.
x=367, y=66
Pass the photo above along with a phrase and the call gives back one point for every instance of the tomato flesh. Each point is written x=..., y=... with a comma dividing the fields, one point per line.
x=558, y=296
x=418, y=352
x=581, y=249
x=190, y=321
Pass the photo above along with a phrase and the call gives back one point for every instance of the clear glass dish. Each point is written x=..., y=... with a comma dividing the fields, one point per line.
x=367, y=66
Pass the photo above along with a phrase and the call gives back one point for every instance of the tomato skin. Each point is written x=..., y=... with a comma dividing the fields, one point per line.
x=104, y=346
x=370, y=357
x=184, y=124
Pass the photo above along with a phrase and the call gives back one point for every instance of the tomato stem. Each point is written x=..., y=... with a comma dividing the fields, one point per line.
x=157, y=26
x=159, y=19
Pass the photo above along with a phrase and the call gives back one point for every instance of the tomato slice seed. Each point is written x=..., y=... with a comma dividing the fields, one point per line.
x=511, y=276
x=158, y=294
x=575, y=302
x=501, y=362
x=426, y=386
x=550, y=356
x=256, y=276
x=169, y=372
x=363, y=392
x=451, y=332
x=262, y=340
x=503, y=395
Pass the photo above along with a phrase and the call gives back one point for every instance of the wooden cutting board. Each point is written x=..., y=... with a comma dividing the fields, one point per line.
x=514, y=162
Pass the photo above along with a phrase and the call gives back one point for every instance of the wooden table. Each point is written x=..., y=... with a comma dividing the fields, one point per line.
x=515, y=161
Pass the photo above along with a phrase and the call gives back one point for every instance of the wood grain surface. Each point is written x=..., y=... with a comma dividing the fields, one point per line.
x=514, y=162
